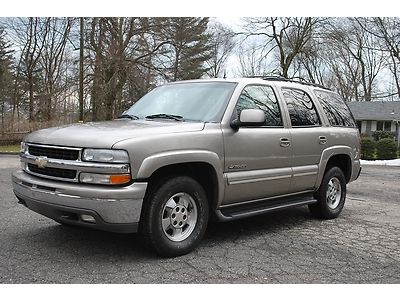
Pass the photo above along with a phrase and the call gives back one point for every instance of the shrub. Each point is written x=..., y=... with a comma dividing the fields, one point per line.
x=378, y=135
x=386, y=149
x=367, y=148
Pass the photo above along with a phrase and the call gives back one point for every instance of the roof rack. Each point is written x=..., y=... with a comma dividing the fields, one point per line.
x=299, y=80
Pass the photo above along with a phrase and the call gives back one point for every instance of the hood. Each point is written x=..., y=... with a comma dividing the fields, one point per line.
x=106, y=134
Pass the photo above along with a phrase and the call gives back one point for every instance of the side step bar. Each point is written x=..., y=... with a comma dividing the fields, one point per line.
x=252, y=209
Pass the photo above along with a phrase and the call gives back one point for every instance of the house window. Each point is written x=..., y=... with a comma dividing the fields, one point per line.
x=384, y=126
x=359, y=125
x=388, y=126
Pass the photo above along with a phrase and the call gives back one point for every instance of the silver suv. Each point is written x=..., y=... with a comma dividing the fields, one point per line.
x=191, y=150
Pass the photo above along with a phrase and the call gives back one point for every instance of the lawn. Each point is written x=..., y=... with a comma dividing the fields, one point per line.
x=10, y=148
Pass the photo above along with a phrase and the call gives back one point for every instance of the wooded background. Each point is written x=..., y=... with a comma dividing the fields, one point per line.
x=60, y=70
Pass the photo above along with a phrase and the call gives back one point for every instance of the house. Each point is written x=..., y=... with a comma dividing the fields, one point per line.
x=377, y=115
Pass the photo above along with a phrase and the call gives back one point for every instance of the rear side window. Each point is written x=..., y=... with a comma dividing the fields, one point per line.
x=301, y=108
x=336, y=109
x=260, y=97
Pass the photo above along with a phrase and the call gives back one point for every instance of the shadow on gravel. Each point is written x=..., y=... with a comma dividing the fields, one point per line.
x=60, y=240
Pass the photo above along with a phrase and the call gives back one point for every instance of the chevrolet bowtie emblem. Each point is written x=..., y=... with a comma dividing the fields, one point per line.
x=41, y=162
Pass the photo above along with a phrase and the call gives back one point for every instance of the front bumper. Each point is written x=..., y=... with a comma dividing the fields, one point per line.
x=114, y=209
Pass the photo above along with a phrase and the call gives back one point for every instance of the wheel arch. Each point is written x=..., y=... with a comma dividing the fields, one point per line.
x=204, y=166
x=339, y=156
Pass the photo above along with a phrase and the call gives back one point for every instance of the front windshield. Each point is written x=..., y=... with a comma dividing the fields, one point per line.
x=193, y=101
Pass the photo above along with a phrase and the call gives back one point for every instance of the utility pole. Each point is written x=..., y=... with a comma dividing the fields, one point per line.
x=81, y=71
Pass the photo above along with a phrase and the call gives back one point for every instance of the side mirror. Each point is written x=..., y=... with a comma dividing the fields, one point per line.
x=249, y=117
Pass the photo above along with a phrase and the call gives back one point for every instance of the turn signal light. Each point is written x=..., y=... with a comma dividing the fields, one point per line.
x=109, y=179
x=120, y=178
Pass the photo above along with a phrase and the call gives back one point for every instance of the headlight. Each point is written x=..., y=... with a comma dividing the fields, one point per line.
x=105, y=155
x=23, y=148
x=104, y=178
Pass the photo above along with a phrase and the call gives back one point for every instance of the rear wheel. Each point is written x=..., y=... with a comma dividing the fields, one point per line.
x=331, y=195
x=176, y=216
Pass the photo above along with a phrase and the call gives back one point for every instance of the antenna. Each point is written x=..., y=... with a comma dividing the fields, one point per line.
x=224, y=74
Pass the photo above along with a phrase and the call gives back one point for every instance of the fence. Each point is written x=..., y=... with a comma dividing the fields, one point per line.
x=11, y=138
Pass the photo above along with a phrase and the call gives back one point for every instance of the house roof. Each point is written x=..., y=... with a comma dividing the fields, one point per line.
x=375, y=110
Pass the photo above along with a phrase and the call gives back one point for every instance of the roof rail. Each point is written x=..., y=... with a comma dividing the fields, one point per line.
x=299, y=80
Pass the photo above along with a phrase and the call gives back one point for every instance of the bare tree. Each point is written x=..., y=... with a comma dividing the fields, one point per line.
x=360, y=60
x=252, y=62
x=52, y=63
x=222, y=43
x=6, y=77
x=287, y=36
x=387, y=33
x=31, y=51
x=116, y=47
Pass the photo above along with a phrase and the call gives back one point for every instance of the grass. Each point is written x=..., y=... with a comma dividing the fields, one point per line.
x=10, y=148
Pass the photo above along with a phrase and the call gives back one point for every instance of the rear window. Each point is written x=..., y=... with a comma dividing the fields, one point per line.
x=336, y=109
x=301, y=108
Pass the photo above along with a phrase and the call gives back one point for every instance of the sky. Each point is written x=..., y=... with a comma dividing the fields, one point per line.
x=228, y=12
x=227, y=9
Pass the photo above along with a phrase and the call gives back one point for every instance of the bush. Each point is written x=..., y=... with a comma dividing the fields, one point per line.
x=367, y=148
x=386, y=149
x=378, y=135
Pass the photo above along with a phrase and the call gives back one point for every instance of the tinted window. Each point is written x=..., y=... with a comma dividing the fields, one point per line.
x=301, y=109
x=335, y=109
x=260, y=97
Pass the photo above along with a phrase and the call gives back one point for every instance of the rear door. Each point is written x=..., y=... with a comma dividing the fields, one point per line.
x=309, y=138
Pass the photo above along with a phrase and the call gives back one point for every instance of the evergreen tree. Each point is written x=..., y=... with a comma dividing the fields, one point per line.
x=190, y=47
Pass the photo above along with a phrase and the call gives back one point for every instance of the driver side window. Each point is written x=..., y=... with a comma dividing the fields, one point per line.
x=261, y=97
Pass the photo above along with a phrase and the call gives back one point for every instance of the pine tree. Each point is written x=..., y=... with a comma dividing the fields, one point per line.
x=190, y=47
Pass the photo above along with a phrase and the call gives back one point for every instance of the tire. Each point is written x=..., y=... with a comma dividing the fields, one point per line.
x=175, y=216
x=330, y=207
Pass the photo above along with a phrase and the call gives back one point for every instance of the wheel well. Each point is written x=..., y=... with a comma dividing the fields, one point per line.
x=203, y=172
x=341, y=161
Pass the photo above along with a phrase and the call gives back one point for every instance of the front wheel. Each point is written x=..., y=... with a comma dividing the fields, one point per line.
x=176, y=216
x=331, y=195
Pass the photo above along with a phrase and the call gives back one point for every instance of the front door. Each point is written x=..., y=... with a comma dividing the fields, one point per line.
x=257, y=159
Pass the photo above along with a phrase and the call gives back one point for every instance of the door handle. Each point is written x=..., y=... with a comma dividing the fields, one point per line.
x=285, y=142
x=322, y=140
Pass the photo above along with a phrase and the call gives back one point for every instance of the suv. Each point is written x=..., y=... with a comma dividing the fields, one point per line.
x=191, y=150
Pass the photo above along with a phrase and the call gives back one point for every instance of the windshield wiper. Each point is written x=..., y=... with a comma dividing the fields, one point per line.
x=126, y=116
x=165, y=116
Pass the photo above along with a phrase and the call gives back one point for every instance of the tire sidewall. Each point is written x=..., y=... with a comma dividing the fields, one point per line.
x=325, y=209
x=162, y=244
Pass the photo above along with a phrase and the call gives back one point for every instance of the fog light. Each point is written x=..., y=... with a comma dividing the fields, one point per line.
x=87, y=218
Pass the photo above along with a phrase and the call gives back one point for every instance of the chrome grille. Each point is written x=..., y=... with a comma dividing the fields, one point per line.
x=63, y=163
x=52, y=172
x=54, y=152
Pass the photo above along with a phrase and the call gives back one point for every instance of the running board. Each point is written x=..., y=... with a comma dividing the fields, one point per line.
x=252, y=209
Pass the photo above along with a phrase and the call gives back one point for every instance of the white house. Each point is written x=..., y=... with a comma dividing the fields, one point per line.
x=377, y=115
